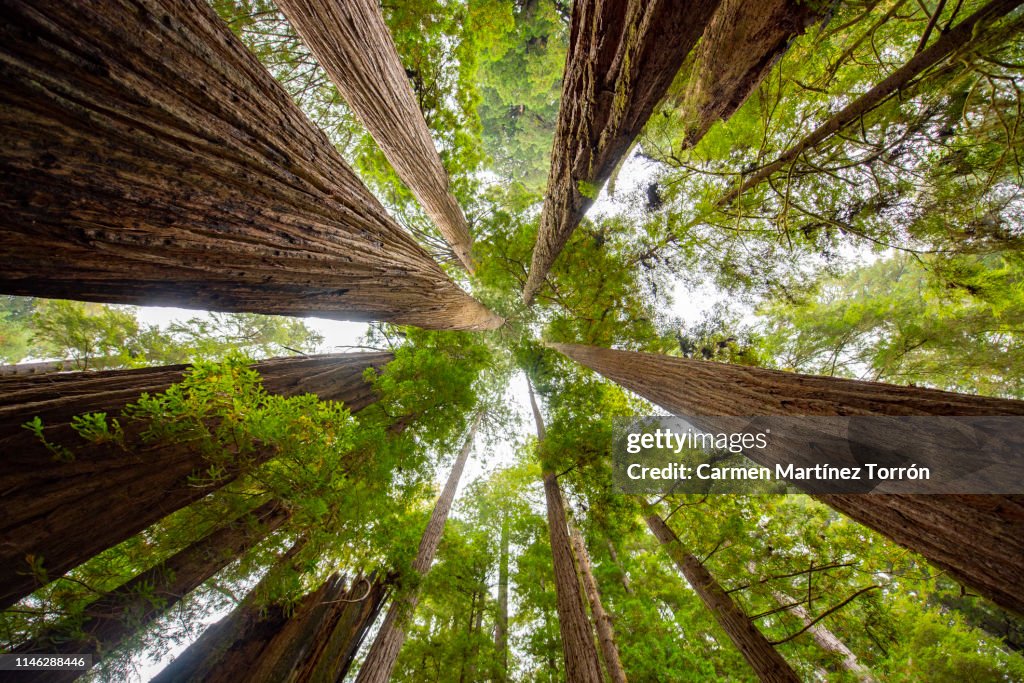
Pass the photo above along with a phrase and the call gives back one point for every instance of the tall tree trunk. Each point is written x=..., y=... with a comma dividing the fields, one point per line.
x=62, y=513
x=56, y=398
x=763, y=658
x=149, y=158
x=602, y=622
x=134, y=605
x=380, y=661
x=827, y=641
x=722, y=76
x=501, y=621
x=581, y=662
x=978, y=539
x=947, y=44
x=623, y=56
x=313, y=641
x=353, y=44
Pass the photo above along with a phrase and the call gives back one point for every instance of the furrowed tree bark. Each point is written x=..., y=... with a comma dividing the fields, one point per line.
x=581, y=661
x=623, y=56
x=353, y=44
x=945, y=45
x=380, y=661
x=764, y=659
x=978, y=539
x=148, y=158
x=827, y=641
x=602, y=622
x=722, y=76
x=56, y=398
x=501, y=621
x=314, y=641
x=66, y=512
x=131, y=607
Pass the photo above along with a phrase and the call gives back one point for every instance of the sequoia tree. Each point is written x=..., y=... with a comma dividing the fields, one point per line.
x=380, y=661
x=314, y=640
x=978, y=539
x=948, y=43
x=602, y=621
x=187, y=176
x=116, y=615
x=581, y=662
x=721, y=76
x=623, y=55
x=353, y=44
x=763, y=658
x=58, y=512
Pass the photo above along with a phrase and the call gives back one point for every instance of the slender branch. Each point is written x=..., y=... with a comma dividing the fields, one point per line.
x=824, y=614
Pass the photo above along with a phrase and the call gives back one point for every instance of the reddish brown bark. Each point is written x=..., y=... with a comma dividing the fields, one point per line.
x=314, y=641
x=581, y=662
x=623, y=55
x=763, y=658
x=947, y=44
x=602, y=621
x=739, y=46
x=978, y=539
x=66, y=512
x=131, y=607
x=353, y=44
x=380, y=661
x=149, y=158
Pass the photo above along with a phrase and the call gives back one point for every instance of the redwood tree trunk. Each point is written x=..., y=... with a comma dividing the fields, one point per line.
x=149, y=158
x=947, y=44
x=722, y=76
x=763, y=658
x=137, y=603
x=827, y=641
x=353, y=44
x=313, y=641
x=380, y=661
x=978, y=539
x=623, y=55
x=602, y=622
x=581, y=662
x=66, y=512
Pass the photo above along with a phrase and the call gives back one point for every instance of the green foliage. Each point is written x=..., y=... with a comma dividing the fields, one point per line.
x=952, y=323
x=15, y=331
x=98, y=336
x=92, y=335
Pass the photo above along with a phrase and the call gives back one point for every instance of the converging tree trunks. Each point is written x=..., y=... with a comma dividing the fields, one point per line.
x=978, y=539
x=623, y=55
x=57, y=512
x=184, y=175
